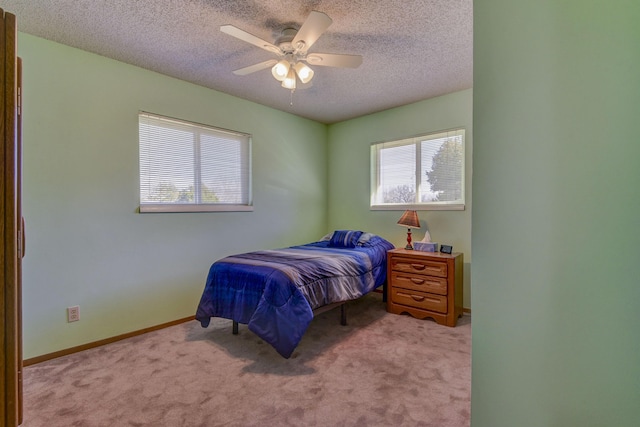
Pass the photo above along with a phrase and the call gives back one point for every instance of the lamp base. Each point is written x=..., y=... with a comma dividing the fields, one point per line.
x=409, y=247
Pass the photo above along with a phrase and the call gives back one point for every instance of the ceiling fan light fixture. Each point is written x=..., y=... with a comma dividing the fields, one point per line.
x=290, y=81
x=281, y=70
x=304, y=72
x=291, y=47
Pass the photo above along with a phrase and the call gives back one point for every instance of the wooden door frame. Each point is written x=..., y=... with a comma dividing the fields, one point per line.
x=10, y=328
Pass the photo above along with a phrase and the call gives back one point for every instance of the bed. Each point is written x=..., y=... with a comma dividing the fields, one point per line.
x=275, y=292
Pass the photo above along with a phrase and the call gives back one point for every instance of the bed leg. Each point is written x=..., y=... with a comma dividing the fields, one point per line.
x=343, y=315
x=235, y=328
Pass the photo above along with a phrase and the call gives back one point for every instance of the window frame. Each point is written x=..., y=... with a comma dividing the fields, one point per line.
x=175, y=207
x=416, y=140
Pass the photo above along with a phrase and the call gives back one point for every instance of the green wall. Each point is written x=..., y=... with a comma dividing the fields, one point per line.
x=87, y=246
x=556, y=234
x=349, y=173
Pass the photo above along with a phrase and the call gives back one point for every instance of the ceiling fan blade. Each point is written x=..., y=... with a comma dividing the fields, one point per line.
x=256, y=67
x=250, y=38
x=334, y=60
x=316, y=24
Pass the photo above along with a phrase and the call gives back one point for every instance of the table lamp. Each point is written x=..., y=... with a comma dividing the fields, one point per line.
x=410, y=220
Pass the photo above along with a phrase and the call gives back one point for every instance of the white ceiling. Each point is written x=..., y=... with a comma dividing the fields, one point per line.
x=412, y=49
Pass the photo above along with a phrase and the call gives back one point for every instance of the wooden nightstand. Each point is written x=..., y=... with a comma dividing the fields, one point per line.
x=425, y=284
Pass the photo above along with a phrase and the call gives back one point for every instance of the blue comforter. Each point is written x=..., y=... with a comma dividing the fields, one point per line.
x=275, y=291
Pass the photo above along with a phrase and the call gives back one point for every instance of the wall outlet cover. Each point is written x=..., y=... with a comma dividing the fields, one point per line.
x=73, y=313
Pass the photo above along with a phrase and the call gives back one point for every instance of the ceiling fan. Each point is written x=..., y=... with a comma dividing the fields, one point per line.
x=292, y=47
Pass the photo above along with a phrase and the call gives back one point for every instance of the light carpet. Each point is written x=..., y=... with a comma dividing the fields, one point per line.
x=380, y=370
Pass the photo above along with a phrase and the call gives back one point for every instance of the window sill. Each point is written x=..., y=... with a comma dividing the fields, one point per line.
x=177, y=208
x=431, y=207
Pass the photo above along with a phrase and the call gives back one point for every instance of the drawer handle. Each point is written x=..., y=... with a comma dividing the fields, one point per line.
x=417, y=281
x=418, y=266
x=415, y=297
x=418, y=298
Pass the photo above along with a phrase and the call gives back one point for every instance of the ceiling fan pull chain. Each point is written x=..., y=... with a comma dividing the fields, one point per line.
x=291, y=98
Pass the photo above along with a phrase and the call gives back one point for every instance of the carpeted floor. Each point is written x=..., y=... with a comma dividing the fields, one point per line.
x=379, y=370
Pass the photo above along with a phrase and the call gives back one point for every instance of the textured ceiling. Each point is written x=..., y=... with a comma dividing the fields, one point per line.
x=412, y=49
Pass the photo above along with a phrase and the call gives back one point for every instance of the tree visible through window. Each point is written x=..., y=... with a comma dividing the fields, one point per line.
x=445, y=176
x=190, y=167
x=425, y=171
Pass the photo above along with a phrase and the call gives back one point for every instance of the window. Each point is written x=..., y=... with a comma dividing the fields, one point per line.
x=188, y=167
x=424, y=172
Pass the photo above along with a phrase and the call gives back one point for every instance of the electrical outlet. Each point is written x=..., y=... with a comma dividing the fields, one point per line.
x=73, y=313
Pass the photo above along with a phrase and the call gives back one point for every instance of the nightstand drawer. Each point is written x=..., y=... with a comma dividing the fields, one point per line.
x=417, y=282
x=421, y=300
x=419, y=266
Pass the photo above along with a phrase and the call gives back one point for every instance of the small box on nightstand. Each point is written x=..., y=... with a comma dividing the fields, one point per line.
x=425, y=246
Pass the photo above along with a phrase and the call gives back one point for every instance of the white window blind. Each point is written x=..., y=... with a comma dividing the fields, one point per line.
x=423, y=172
x=189, y=167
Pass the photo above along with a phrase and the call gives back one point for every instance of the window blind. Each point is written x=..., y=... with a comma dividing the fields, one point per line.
x=186, y=166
